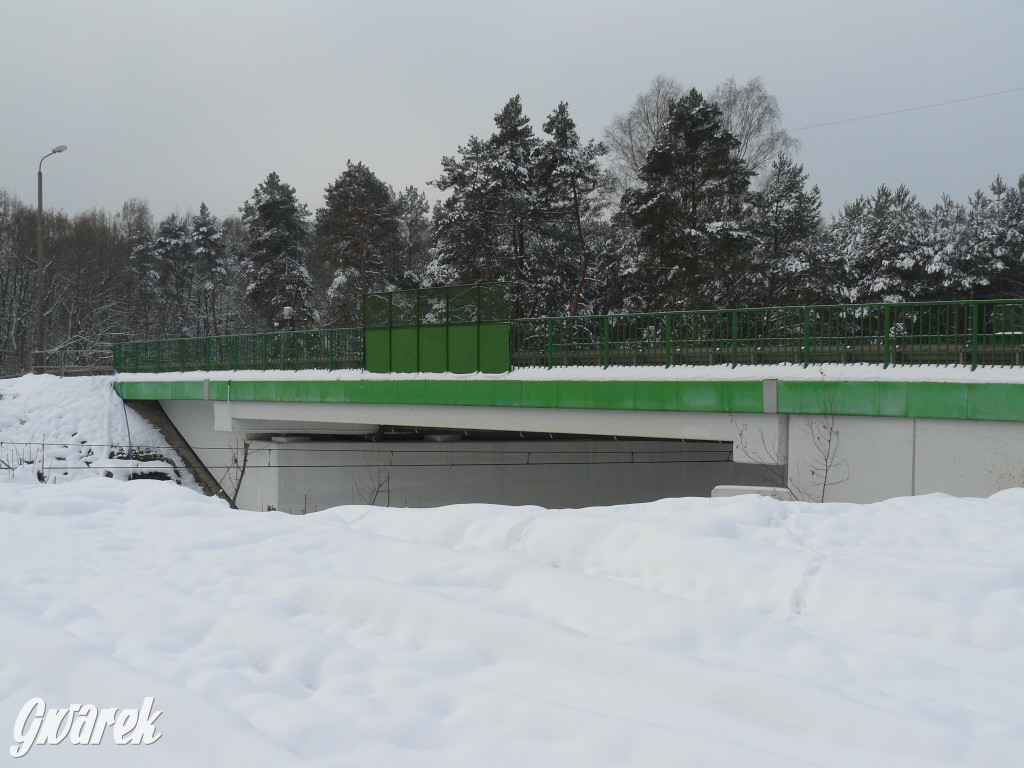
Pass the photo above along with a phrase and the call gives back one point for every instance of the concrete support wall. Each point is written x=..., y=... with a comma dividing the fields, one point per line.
x=879, y=458
x=194, y=420
x=872, y=458
x=559, y=473
x=987, y=457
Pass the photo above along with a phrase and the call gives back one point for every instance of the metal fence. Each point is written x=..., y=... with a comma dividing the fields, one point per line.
x=944, y=333
x=292, y=350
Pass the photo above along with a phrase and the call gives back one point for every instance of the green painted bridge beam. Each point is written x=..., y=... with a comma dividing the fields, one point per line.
x=903, y=399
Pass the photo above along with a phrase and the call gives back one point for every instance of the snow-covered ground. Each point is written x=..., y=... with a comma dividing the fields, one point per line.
x=688, y=632
x=73, y=428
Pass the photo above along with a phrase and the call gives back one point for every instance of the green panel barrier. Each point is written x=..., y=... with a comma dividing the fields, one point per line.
x=411, y=392
x=816, y=397
x=433, y=346
x=701, y=396
x=848, y=397
x=540, y=394
x=242, y=390
x=656, y=396
x=743, y=396
x=493, y=393
x=996, y=402
x=494, y=347
x=606, y=395
x=935, y=400
x=287, y=391
x=892, y=398
x=807, y=397
x=404, y=350
x=378, y=350
x=380, y=392
x=333, y=392
x=462, y=348
x=440, y=393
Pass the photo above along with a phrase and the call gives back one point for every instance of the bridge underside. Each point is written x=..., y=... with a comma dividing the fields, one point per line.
x=305, y=456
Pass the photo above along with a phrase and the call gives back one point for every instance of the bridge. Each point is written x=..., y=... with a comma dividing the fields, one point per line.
x=441, y=396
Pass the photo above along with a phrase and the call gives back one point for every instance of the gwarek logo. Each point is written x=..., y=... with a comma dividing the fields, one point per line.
x=84, y=724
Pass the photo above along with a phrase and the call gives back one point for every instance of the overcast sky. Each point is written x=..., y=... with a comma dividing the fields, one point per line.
x=183, y=102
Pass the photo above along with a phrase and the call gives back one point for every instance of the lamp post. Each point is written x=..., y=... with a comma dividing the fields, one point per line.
x=40, y=330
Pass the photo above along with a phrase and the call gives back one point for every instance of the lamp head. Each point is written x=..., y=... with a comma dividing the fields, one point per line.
x=61, y=148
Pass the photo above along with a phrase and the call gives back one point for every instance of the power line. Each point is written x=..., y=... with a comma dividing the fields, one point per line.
x=908, y=109
x=379, y=445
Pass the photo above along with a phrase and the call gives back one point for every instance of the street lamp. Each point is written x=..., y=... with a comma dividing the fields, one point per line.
x=40, y=331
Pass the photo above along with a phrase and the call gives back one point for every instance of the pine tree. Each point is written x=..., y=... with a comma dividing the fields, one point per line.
x=276, y=231
x=488, y=228
x=413, y=214
x=467, y=222
x=882, y=238
x=358, y=234
x=570, y=182
x=689, y=209
x=210, y=259
x=788, y=263
x=1010, y=205
x=136, y=225
x=513, y=148
x=176, y=275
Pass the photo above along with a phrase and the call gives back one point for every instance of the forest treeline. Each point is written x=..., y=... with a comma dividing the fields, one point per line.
x=689, y=201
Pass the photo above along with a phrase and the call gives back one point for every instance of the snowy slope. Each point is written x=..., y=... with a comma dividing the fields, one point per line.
x=688, y=632
x=74, y=428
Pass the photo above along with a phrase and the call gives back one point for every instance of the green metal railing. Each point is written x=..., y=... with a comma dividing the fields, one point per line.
x=943, y=333
x=292, y=350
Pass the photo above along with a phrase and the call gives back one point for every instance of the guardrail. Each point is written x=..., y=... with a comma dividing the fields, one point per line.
x=289, y=350
x=944, y=333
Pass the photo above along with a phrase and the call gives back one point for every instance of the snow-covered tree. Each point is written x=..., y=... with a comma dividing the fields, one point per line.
x=487, y=228
x=513, y=169
x=749, y=113
x=176, y=268
x=276, y=225
x=1009, y=202
x=882, y=240
x=689, y=210
x=788, y=261
x=570, y=183
x=467, y=222
x=358, y=236
x=211, y=261
x=413, y=212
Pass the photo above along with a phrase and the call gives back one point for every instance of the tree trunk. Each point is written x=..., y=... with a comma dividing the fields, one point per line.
x=583, y=245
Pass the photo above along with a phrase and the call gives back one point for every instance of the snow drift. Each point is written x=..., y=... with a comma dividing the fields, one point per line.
x=703, y=632
x=58, y=429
